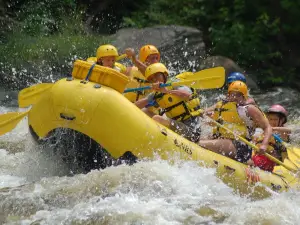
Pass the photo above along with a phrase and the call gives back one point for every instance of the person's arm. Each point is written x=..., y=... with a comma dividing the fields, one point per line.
x=251, y=101
x=141, y=66
x=284, y=132
x=208, y=111
x=185, y=95
x=128, y=70
x=131, y=54
x=182, y=92
x=142, y=103
x=149, y=100
x=258, y=118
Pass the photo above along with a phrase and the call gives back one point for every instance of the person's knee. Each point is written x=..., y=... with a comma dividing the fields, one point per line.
x=158, y=118
x=205, y=143
x=161, y=120
x=148, y=112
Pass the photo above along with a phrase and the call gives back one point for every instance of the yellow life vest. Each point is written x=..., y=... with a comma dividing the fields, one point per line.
x=176, y=108
x=118, y=66
x=137, y=79
x=92, y=59
x=226, y=114
x=273, y=147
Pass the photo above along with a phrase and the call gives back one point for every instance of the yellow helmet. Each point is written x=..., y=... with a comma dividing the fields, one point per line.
x=239, y=86
x=156, y=68
x=106, y=50
x=147, y=50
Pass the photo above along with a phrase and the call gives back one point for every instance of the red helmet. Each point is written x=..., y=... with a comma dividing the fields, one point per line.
x=279, y=109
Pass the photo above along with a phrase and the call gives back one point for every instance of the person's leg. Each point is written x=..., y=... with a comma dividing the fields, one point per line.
x=186, y=129
x=180, y=128
x=221, y=146
x=148, y=112
x=243, y=151
x=162, y=120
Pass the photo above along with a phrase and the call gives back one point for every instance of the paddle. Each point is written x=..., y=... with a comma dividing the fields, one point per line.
x=31, y=95
x=120, y=57
x=291, y=150
x=254, y=147
x=9, y=121
x=204, y=79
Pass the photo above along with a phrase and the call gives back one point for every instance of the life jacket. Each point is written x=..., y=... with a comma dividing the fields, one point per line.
x=176, y=108
x=274, y=146
x=117, y=66
x=227, y=114
x=137, y=80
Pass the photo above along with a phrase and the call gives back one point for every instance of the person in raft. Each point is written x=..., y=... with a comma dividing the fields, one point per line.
x=277, y=116
x=180, y=105
x=241, y=117
x=148, y=55
x=237, y=76
x=106, y=56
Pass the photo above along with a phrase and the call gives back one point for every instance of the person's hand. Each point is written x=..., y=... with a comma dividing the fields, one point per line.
x=156, y=87
x=262, y=148
x=172, y=91
x=209, y=113
x=130, y=52
x=250, y=162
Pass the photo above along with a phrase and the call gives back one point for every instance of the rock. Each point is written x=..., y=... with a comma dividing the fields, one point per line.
x=181, y=47
x=229, y=65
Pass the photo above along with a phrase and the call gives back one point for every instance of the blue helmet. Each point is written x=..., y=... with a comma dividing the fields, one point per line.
x=236, y=76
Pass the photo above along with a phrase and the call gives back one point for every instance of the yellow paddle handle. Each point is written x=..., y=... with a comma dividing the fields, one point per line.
x=253, y=146
x=120, y=57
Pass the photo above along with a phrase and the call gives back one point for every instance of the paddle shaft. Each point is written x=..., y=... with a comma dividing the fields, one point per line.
x=254, y=147
x=277, y=138
x=146, y=88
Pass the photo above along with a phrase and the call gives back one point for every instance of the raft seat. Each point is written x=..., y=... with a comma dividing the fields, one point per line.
x=99, y=74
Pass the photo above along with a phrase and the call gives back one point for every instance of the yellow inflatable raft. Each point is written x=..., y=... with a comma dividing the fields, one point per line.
x=95, y=107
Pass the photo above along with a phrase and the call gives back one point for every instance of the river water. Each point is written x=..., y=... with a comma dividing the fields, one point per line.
x=34, y=188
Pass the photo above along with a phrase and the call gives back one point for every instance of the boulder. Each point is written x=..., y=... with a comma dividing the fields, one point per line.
x=181, y=47
x=229, y=65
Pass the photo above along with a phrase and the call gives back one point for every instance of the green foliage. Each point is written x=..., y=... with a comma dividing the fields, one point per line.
x=45, y=17
x=254, y=33
x=52, y=50
x=25, y=54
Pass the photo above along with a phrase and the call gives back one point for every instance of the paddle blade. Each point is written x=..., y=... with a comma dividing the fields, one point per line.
x=205, y=79
x=185, y=75
x=31, y=95
x=294, y=155
x=120, y=57
x=202, y=83
x=293, y=152
x=9, y=121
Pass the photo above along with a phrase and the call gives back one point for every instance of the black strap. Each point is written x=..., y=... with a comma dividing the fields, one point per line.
x=219, y=120
x=140, y=80
x=90, y=72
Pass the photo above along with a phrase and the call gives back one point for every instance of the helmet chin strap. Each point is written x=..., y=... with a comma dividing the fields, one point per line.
x=280, y=121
